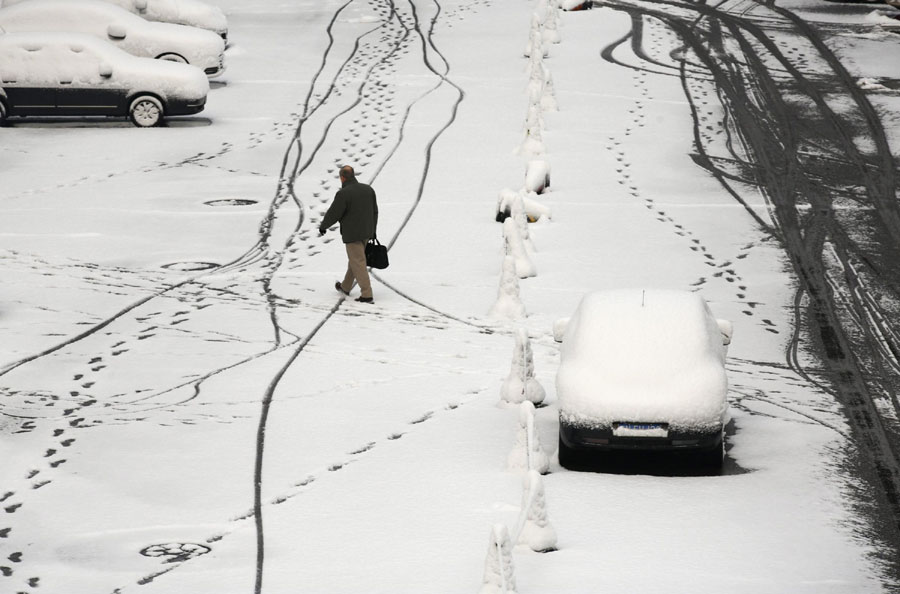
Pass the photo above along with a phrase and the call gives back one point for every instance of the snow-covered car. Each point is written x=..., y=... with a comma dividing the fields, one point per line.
x=180, y=12
x=176, y=43
x=74, y=74
x=642, y=370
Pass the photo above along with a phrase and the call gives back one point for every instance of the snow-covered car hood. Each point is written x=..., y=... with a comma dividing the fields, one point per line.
x=633, y=356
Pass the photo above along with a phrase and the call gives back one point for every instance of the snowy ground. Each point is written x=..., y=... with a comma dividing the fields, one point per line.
x=137, y=377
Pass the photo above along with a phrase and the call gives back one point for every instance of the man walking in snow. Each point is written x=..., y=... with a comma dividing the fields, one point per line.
x=355, y=208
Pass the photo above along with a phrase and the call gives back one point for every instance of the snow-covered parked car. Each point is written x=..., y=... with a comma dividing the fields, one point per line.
x=180, y=12
x=74, y=74
x=642, y=371
x=129, y=32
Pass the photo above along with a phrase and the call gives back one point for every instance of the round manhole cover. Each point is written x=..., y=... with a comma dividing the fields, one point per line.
x=190, y=266
x=230, y=202
x=175, y=552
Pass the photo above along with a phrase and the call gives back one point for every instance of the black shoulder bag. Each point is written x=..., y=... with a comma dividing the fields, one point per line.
x=376, y=254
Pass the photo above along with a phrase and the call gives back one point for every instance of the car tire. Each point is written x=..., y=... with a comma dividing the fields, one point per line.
x=146, y=112
x=172, y=58
x=2, y=113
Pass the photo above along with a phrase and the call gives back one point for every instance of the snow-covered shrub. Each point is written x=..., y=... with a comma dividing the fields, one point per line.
x=514, y=245
x=537, y=176
x=508, y=304
x=540, y=11
x=534, y=117
x=548, y=93
x=536, y=87
x=536, y=44
x=504, y=202
x=559, y=328
x=535, y=530
x=520, y=385
x=517, y=214
x=528, y=453
x=533, y=143
x=499, y=574
x=535, y=93
x=551, y=23
x=534, y=209
x=535, y=66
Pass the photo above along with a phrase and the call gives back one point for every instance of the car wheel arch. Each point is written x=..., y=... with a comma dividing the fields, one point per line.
x=172, y=57
x=132, y=97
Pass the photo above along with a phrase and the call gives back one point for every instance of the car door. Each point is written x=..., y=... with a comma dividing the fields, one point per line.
x=27, y=77
x=88, y=85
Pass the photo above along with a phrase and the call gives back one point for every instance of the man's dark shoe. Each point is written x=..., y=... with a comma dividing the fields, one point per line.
x=337, y=286
x=365, y=300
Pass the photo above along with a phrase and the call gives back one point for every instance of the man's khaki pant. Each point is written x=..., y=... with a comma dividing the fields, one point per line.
x=356, y=269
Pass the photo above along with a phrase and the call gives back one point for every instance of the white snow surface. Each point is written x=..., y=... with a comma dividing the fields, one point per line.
x=134, y=378
x=648, y=356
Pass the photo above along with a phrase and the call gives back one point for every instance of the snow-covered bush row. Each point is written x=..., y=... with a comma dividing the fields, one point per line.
x=515, y=210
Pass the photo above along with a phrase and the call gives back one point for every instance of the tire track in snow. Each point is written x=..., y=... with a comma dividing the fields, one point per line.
x=270, y=391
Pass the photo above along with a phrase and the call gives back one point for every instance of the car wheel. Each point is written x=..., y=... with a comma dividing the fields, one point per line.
x=2, y=114
x=172, y=58
x=146, y=111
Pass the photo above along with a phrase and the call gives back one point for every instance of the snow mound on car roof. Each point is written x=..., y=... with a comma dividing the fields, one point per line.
x=651, y=356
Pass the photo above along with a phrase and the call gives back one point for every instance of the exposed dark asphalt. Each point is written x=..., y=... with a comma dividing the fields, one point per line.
x=800, y=130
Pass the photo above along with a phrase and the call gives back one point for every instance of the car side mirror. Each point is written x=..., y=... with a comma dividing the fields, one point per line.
x=116, y=32
x=727, y=329
x=141, y=5
x=105, y=70
x=559, y=328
